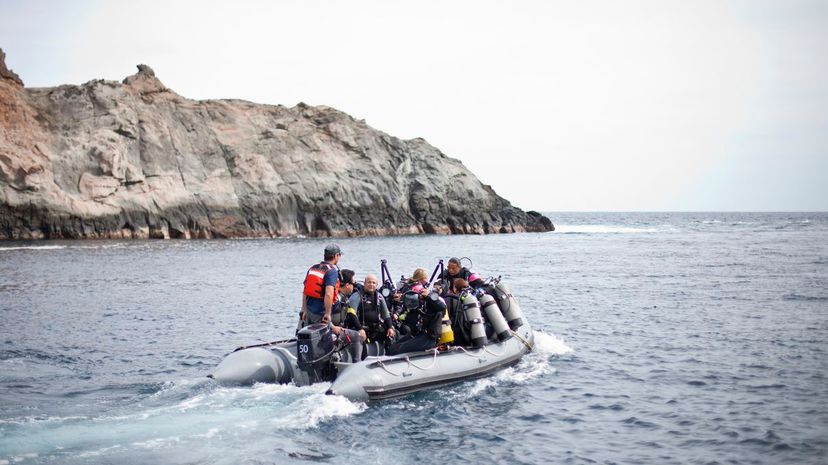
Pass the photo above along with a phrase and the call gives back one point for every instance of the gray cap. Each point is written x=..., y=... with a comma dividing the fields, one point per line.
x=332, y=249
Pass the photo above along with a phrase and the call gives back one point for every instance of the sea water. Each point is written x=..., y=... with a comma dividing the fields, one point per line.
x=660, y=338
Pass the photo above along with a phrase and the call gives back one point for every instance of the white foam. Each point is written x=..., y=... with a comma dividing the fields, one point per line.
x=550, y=344
x=533, y=365
x=95, y=453
x=22, y=457
x=600, y=229
x=34, y=247
x=157, y=443
x=310, y=411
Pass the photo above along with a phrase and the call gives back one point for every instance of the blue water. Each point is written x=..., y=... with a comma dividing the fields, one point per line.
x=662, y=338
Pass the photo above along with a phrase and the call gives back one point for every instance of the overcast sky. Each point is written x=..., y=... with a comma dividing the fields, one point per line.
x=576, y=105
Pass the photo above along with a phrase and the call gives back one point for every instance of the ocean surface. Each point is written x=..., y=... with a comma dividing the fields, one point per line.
x=661, y=338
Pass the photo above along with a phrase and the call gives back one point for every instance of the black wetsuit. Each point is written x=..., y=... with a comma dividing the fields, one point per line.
x=374, y=317
x=424, y=324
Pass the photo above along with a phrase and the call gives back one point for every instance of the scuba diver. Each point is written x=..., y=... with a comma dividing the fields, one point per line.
x=455, y=308
x=454, y=270
x=372, y=312
x=344, y=315
x=420, y=321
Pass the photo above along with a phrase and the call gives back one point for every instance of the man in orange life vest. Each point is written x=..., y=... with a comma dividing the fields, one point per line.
x=321, y=289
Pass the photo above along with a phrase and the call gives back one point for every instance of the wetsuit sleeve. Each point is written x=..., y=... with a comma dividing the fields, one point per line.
x=354, y=300
x=352, y=322
x=386, y=316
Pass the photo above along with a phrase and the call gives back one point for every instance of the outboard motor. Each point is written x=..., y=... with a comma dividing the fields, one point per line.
x=314, y=350
x=471, y=309
x=508, y=305
x=493, y=314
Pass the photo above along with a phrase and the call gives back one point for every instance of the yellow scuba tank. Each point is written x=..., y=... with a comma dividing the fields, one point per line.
x=447, y=334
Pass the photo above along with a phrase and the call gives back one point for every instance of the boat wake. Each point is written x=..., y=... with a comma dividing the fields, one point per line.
x=534, y=365
x=187, y=417
x=178, y=418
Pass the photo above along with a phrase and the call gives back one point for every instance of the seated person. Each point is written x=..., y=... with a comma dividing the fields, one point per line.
x=453, y=271
x=417, y=282
x=462, y=331
x=372, y=312
x=422, y=321
x=343, y=315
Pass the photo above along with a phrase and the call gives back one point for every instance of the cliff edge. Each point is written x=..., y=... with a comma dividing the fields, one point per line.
x=133, y=159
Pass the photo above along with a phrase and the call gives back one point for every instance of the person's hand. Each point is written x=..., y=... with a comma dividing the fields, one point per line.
x=336, y=330
x=326, y=318
x=390, y=333
x=363, y=335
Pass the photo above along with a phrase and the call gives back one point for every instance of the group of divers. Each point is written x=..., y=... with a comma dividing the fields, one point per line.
x=415, y=314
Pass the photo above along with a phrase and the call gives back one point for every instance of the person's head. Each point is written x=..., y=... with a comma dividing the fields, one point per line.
x=453, y=266
x=346, y=281
x=332, y=253
x=458, y=285
x=419, y=276
x=370, y=283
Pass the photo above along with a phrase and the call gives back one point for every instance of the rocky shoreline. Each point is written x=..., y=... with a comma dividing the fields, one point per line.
x=133, y=159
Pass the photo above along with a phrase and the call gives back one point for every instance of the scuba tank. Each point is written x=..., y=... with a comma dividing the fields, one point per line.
x=508, y=305
x=471, y=309
x=446, y=334
x=489, y=306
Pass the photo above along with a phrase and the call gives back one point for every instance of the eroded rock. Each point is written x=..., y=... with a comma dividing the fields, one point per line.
x=136, y=160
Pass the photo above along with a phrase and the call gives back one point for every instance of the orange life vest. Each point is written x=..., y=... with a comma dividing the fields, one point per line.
x=315, y=281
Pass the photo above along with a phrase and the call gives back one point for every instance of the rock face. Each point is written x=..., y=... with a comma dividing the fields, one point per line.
x=136, y=160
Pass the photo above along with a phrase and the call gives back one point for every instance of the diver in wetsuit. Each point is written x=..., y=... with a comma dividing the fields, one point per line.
x=421, y=323
x=344, y=315
x=372, y=312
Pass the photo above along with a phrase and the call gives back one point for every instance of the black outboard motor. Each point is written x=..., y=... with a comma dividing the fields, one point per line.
x=314, y=350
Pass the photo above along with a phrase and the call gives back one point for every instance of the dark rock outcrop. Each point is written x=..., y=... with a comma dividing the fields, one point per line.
x=136, y=160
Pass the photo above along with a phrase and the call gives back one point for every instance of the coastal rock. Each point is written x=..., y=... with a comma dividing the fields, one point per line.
x=136, y=160
x=6, y=73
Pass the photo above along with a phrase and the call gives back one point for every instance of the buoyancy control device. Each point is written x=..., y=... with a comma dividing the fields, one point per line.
x=471, y=309
x=488, y=305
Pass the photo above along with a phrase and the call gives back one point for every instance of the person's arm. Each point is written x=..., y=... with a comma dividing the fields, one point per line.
x=355, y=300
x=304, y=308
x=386, y=317
x=329, y=299
x=353, y=322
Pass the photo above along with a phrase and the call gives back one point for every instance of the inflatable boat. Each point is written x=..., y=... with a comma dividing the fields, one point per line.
x=500, y=336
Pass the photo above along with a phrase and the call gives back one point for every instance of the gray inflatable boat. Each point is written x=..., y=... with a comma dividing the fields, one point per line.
x=315, y=357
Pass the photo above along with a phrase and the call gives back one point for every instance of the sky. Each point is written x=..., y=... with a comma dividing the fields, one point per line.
x=558, y=105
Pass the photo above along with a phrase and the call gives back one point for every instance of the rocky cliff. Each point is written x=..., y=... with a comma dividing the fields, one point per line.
x=133, y=159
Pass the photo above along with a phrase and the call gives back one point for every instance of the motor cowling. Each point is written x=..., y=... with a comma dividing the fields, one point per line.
x=471, y=309
x=488, y=305
x=314, y=350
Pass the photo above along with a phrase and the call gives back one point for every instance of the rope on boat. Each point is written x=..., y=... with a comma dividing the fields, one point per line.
x=469, y=353
x=433, y=362
x=410, y=364
x=524, y=341
x=486, y=348
x=382, y=365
